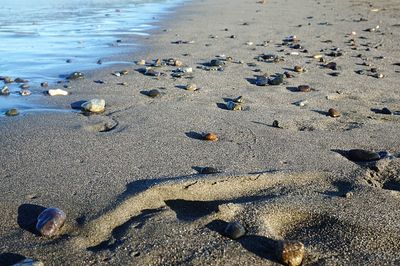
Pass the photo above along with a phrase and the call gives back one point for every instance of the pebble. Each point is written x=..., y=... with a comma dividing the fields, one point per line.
x=5, y=91
x=211, y=137
x=141, y=62
x=7, y=79
x=50, y=221
x=44, y=84
x=178, y=63
x=29, y=262
x=360, y=155
x=278, y=80
x=24, y=86
x=57, y=92
x=291, y=253
x=216, y=63
x=238, y=99
x=304, y=88
x=234, y=230
x=76, y=75
x=153, y=93
x=191, y=87
x=20, y=80
x=12, y=112
x=317, y=56
x=152, y=72
x=275, y=123
x=261, y=81
x=25, y=92
x=302, y=103
x=231, y=105
x=94, y=106
x=209, y=170
x=331, y=65
x=334, y=112
x=298, y=69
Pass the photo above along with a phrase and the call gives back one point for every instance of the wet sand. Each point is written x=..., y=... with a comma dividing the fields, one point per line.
x=133, y=195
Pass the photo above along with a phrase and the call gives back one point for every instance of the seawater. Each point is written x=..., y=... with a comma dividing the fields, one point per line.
x=44, y=40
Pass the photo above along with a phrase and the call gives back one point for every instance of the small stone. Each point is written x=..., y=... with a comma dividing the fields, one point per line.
x=57, y=92
x=304, y=88
x=288, y=75
x=94, y=106
x=124, y=72
x=302, y=103
x=216, y=63
x=317, y=56
x=348, y=194
x=210, y=137
x=44, y=84
x=334, y=112
x=234, y=230
x=25, y=92
x=20, y=80
x=76, y=75
x=209, y=170
x=24, y=86
x=5, y=91
x=360, y=155
x=153, y=93
x=249, y=43
x=29, y=262
x=50, y=221
x=298, y=69
x=178, y=63
x=191, y=87
x=231, y=105
x=275, y=123
x=378, y=75
x=261, y=81
x=291, y=253
x=12, y=112
x=278, y=80
x=152, y=72
x=331, y=65
x=7, y=79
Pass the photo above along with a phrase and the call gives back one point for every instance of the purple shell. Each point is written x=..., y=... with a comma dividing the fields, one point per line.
x=50, y=221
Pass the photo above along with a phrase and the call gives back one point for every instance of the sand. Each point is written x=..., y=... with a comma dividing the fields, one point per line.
x=133, y=195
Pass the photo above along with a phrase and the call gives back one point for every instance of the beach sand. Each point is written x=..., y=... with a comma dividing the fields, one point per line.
x=133, y=195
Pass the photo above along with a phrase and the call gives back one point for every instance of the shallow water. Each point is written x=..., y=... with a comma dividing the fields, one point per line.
x=44, y=40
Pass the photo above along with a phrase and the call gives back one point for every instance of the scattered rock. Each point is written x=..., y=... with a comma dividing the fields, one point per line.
x=153, y=93
x=238, y=99
x=334, y=112
x=234, y=230
x=44, y=84
x=298, y=69
x=12, y=112
x=50, y=221
x=275, y=81
x=233, y=106
x=209, y=170
x=304, y=88
x=5, y=91
x=94, y=106
x=25, y=92
x=7, y=79
x=360, y=155
x=191, y=87
x=76, y=75
x=20, y=80
x=57, y=92
x=331, y=65
x=291, y=253
x=210, y=137
x=261, y=81
x=141, y=62
x=29, y=262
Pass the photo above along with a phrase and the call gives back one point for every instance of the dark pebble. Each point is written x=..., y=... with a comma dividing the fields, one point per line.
x=359, y=155
x=386, y=111
x=234, y=230
x=44, y=84
x=76, y=75
x=209, y=170
x=153, y=93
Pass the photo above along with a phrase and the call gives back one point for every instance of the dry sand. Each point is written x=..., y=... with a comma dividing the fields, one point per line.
x=133, y=195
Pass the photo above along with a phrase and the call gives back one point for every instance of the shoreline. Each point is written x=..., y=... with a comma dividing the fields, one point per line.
x=135, y=194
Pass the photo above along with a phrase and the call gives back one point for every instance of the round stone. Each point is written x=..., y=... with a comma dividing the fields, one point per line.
x=211, y=137
x=94, y=106
x=234, y=230
x=334, y=112
x=191, y=87
x=76, y=75
x=291, y=253
x=298, y=69
x=12, y=112
x=209, y=170
x=5, y=91
x=153, y=93
x=360, y=155
x=304, y=88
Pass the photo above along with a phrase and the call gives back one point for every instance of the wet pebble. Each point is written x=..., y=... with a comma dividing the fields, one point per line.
x=331, y=65
x=76, y=75
x=50, y=221
x=44, y=84
x=261, y=81
x=334, y=112
x=360, y=155
x=291, y=253
x=5, y=91
x=276, y=124
x=234, y=230
x=57, y=92
x=141, y=62
x=12, y=112
x=238, y=99
x=25, y=92
x=20, y=80
x=7, y=79
x=94, y=106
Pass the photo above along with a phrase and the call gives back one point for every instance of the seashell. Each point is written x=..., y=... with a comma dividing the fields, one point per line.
x=234, y=230
x=234, y=106
x=50, y=221
x=334, y=113
x=12, y=112
x=94, y=106
x=291, y=253
x=5, y=91
x=211, y=137
x=317, y=56
x=57, y=92
x=25, y=92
